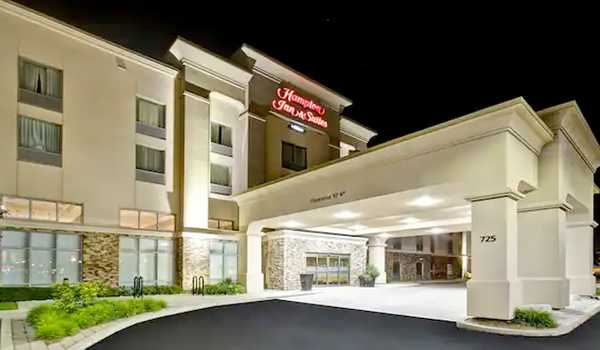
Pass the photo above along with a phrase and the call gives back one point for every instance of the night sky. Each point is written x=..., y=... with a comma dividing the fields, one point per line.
x=404, y=68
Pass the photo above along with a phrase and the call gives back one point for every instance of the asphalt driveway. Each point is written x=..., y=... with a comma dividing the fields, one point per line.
x=279, y=324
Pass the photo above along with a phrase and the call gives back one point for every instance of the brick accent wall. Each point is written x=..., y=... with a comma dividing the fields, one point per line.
x=192, y=258
x=101, y=258
x=408, y=266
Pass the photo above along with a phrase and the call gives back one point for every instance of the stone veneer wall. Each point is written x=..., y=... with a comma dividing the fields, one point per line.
x=192, y=258
x=408, y=265
x=101, y=258
x=286, y=257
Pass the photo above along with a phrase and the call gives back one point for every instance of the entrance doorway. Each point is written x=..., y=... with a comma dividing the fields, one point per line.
x=329, y=269
x=419, y=271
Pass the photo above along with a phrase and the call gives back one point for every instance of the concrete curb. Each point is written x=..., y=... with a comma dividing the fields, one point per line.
x=548, y=332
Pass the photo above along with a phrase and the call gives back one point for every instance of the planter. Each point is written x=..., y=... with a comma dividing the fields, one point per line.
x=306, y=281
x=366, y=282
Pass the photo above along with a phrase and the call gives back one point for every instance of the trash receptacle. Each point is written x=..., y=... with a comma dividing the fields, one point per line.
x=306, y=280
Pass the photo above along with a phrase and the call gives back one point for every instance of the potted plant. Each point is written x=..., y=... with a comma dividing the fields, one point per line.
x=367, y=279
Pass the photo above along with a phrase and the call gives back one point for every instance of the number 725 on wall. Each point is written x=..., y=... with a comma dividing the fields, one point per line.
x=488, y=238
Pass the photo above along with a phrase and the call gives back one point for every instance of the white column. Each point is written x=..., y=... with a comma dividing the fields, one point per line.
x=377, y=257
x=252, y=260
x=494, y=289
x=580, y=257
x=542, y=254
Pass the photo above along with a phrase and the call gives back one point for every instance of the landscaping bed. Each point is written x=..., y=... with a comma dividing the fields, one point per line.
x=8, y=305
x=525, y=319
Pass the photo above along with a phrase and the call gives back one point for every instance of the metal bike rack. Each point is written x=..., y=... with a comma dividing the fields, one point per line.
x=198, y=285
x=138, y=287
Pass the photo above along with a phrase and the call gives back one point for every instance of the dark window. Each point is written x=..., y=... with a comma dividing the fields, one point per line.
x=420, y=243
x=432, y=244
x=149, y=159
x=293, y=157
x=220, y=134
x=450, y=246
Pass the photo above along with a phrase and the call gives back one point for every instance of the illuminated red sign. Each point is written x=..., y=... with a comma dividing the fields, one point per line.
x=300, y=107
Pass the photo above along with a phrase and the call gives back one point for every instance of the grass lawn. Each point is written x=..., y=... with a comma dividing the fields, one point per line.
x=8, y=305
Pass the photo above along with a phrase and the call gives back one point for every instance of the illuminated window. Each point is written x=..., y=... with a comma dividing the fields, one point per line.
x=40, y=85
x=42, y=210
x=166, y=222
x=130, y=218
x=150, y=113
x=221, y=224
x=293, y=157
x=153, y=259
x=70, y=213
x=147, y=220
x=18, y=208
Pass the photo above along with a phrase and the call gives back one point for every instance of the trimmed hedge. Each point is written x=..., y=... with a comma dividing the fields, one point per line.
x=148, y=290
x=25, y=293
x=226, y=287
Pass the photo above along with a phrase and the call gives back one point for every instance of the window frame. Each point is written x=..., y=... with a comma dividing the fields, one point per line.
x=33, y=155
x=156, y=252
x=419, y=242
x=293, y=165
x=151, y=176
x=34, y=98
x=147, y=129
x=216, y=188
x=27, y=249
x=223, y=255
x=57, y=203
x=157, y=215
x=219, y=221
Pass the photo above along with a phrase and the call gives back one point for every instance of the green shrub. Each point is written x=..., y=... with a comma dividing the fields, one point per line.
x=9, y=305
x=24, y=293
x=51, y=322
x=226, y=287
x=69, y=297
x=598, y=292
x=148, y=290
x=372, y=271
x=535, y=318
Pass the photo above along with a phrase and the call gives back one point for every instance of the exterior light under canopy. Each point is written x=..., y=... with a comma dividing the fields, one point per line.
x=409, y=220
x=436, y=230
x=297, y=128
x=424, y=201
x=346, y=214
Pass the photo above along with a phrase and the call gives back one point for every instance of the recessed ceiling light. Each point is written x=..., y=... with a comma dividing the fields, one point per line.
x=385, y=235
x=291, y=224
x=346, y=214
x=424, y=201
x=436, y=230
x=358, y=227
x=409, y=220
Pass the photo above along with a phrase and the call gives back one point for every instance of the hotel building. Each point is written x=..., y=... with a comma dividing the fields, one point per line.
x=115, y=165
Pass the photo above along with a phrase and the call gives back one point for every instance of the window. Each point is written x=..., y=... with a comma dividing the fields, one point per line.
x=450, y=246
x=293, y=157
x=220, y=134
x=328, y=269
x=223, y=261
x=419, y=243
x=147, y=220
x=39, y=258
x=43, y=210
x=220, y=179
x=221, y=224
x=397, y=244
x=39, y=141
x=150, y=165
x=432, y=242
x=40, y=85
x=153, y=259
x=150, y=118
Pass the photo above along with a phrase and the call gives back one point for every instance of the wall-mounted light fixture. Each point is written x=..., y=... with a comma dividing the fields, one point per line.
x=297, y=128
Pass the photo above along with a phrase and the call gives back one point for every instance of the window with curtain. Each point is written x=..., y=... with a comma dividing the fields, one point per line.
x=150, y=159
x=40, y=79
x=39, y=135
x=39, y=258
x=150, y=113
x=220, y=134
x=293, y=157
x=219, y=175
x=153, y=259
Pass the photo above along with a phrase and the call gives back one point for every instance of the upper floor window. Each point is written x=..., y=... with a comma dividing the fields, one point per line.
x=293, y=157
x=39, y=141
x=220, y=179
x=419, y=243
x=221, y=224
x=450, y=246
x=150, y=118
x=150, y=164
x=432, y=241
x=40, y=85
x=220, y=134
x=147, y=220
x=43, y=210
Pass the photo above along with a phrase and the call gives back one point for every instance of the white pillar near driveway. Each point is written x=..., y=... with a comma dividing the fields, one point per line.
x=494, y=290
x=377, y=257
x=251, y=268
x=580, y=257
x=542, y=254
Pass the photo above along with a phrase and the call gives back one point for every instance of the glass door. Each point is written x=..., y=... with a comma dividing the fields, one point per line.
x=328, y=269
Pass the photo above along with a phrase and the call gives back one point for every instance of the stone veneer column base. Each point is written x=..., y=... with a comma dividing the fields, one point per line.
x=101, y=258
